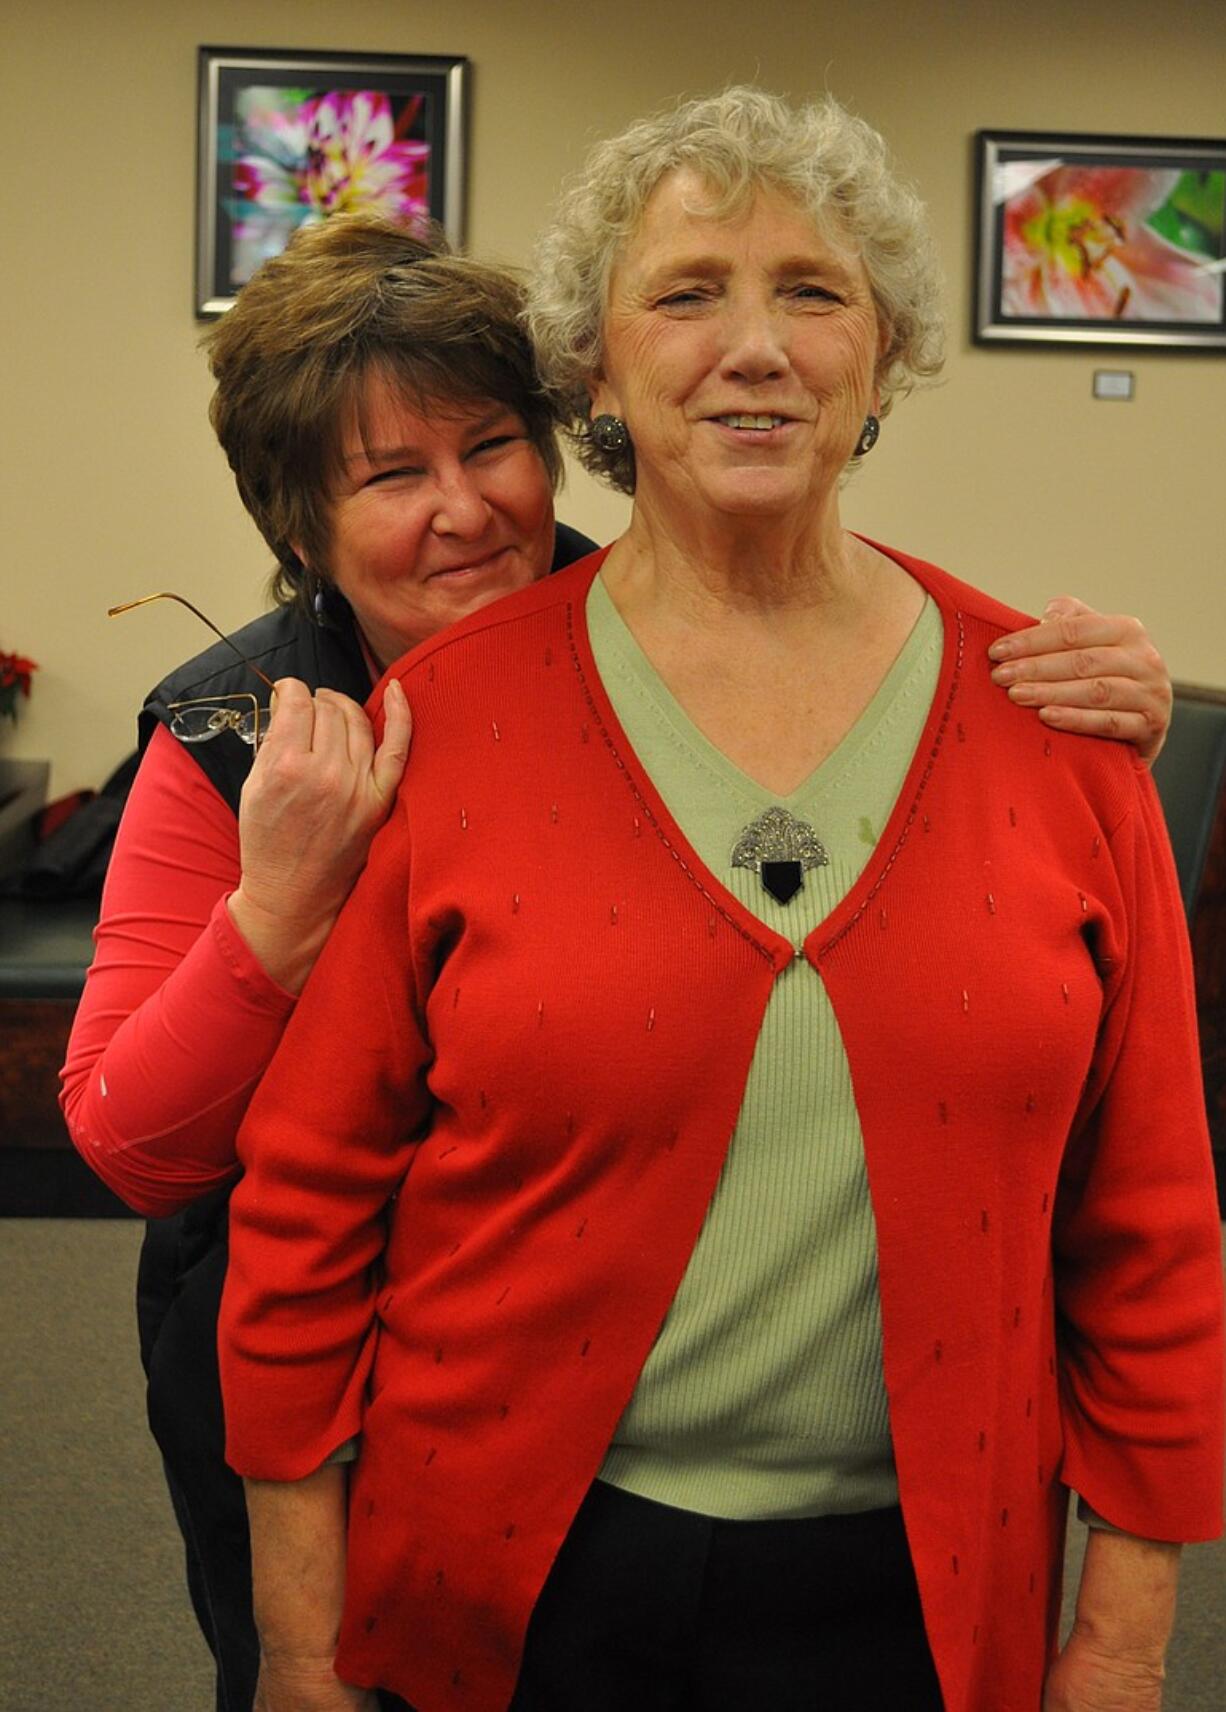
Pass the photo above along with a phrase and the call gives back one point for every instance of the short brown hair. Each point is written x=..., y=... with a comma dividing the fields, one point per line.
x=354, y=297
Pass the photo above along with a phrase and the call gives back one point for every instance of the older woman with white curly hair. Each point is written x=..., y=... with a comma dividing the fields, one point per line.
x=739, y=1161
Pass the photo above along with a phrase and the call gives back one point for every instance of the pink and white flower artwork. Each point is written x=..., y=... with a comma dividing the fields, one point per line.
x=299, y=157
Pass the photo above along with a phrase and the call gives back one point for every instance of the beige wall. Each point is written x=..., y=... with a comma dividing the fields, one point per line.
x=1009, y=473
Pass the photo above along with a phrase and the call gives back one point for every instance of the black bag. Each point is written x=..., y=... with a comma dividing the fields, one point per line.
x=71, y=861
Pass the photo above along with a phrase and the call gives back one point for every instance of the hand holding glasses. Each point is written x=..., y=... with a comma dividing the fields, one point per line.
x=205, y=717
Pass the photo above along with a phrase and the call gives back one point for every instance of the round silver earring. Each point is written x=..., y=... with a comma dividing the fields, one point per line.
x=869, y=435
x=610, y=433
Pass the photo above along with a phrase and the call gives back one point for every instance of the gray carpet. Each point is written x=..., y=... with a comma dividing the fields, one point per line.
x=93, y=1616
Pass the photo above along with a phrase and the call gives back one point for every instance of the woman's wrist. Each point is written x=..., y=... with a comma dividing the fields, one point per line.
x=285, y=946
x=298, y=1564
x=1126, y=1600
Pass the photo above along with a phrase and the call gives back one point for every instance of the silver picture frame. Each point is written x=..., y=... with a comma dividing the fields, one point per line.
x=286, y=137
x=1092, y=240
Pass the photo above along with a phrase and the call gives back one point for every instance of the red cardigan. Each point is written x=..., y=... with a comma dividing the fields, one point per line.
x=532, y=1027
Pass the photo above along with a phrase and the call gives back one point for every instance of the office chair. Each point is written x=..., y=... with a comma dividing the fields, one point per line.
x=1189, y=775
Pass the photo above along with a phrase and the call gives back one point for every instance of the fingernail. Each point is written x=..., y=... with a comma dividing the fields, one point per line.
x=1003, y=674
x=1001, y=650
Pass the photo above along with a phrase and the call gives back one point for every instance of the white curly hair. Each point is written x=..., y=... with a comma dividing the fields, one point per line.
x=737, y=142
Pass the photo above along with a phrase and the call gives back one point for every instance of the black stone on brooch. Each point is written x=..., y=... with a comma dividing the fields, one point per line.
x=780, y=849
x=782, y=879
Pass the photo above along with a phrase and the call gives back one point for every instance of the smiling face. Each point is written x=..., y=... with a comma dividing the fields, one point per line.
x=434, y=516
x=741, y=354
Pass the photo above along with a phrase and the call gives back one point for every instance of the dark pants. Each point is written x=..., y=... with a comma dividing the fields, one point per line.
x=182, y=1270
x=664, y=1611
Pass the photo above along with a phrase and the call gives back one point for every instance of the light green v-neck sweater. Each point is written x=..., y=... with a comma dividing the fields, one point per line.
x=763, y=1395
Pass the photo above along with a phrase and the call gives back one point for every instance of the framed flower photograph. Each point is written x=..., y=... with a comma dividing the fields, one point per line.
x=1094, y=240
x=289, y=138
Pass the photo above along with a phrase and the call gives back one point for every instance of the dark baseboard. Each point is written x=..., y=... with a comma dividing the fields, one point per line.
x=54, y=1183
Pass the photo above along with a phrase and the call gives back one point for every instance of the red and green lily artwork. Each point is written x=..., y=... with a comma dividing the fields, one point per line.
x=1101, y=238
x=1114, y=243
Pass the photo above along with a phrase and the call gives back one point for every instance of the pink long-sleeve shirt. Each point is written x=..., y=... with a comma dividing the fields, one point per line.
x=178, y=1020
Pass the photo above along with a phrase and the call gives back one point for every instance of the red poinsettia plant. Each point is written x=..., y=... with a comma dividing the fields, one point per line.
x=15, y=674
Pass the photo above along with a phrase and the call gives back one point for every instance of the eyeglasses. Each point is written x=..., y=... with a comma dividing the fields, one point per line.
x=206, y=717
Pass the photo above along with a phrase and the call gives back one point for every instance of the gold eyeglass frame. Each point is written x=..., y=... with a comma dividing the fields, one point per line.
x=225, y=717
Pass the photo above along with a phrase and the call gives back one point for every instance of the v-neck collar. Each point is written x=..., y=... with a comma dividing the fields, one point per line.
x=778, y=949
x=757, y=796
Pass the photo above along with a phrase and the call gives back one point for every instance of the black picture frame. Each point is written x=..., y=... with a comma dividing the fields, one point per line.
x=1092, y=240
x=287, y=136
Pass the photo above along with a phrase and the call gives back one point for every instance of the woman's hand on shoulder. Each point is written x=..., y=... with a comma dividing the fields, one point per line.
x=317, y=793
x=1090, y=672
x=308, y=1685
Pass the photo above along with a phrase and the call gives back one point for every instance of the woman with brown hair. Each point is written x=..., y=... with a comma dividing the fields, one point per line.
x=378, y=402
